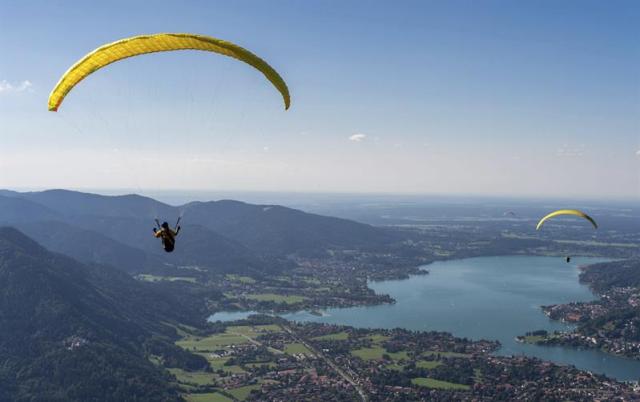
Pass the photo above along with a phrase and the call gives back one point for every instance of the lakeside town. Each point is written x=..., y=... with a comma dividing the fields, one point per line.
x=270, y=359
x=610, y=323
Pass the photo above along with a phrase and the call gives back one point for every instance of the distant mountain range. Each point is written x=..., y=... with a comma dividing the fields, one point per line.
x=70, y=331
x=220, y=236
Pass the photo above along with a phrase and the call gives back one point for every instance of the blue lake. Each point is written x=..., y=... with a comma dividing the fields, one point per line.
x=485, y=297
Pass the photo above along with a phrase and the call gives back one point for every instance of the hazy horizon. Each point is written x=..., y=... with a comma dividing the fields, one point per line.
x=178, y=197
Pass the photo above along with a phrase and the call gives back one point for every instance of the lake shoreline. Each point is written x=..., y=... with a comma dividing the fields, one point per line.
x=407, y=292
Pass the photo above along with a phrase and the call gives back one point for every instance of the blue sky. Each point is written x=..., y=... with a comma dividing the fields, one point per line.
x=450, y=97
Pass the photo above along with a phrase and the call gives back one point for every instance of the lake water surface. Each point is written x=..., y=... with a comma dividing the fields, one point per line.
x=485, y=297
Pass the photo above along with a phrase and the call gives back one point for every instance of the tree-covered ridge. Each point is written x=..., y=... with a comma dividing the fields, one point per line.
x=71, y=332
x=222, y=236
x=606, y=276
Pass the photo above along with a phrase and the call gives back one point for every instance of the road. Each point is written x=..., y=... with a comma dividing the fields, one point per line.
x=341, y=372
x=255, y=342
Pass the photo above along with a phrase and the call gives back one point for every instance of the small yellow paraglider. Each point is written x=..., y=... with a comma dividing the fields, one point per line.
x=574, y=212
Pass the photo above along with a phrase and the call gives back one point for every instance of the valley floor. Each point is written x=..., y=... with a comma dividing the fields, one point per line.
x=268, y=358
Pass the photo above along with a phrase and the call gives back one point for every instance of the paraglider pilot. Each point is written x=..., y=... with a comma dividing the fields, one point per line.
x=167, y=235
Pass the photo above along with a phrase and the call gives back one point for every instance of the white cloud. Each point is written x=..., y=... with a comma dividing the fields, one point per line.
x=571, y=152
x=265, y=149
x=6, y=86
x=358, y=137
x=638, y=152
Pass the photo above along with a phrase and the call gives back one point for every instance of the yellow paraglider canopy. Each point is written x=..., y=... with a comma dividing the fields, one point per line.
x=566, y=212
x=162, y=42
